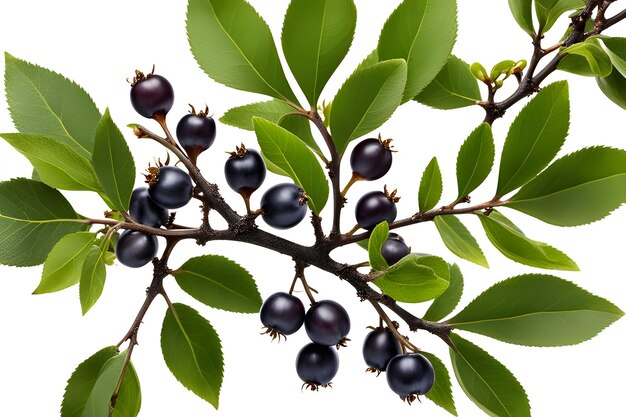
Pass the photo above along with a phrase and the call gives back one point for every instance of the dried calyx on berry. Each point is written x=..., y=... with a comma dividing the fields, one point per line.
x=282, y=314
x=151, y=95
x=370, y=160
x=284, y=205
x=245, y=172
x=170, y=186
x=376, y=207
x=196, y=132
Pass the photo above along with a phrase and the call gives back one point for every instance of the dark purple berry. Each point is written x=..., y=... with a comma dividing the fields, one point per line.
x=282, y=314
x=170, y=187
x=196, y=133
x=284, y=206
x=409, y=375
x=151, y=95
x=317, y=365
x=145, y=211
x=371, y=158
x=394, y=249
x=378, y=349
x=245, y=171
x=327, y=323
x=135, y=249
x=376, y=207
x=395, y=236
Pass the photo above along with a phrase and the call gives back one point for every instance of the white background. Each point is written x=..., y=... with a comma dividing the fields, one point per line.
x=100, y=44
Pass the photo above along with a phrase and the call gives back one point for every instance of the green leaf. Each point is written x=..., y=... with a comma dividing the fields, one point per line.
x=586, y=58
x=414, y=279
x=579, y=188
x=219, y=282
x=485, y=381
x=43, y=102
x=316, y=37
x=33, y=218
x=522, y=12
x=453, y=87
x=193, y=352
x=535, y=137
x=431, y=186
x=614, y=87
x=548, y=11
x=616, y=48
x=459, y=240
x=276, y=111
x=441, y=392
x=128, y=401
x=242, y=116
x=301, y=127
x=513, y=244
x=57, y=164
x=422, y=32
x=537, y=310
x=64, y=263
x=82, y=382
x=98, y=403
x=475, y=160
x=375, y=245
x=113, y=163
x=287, y=152
x=447, y=302
x=368, y=61
x=92, y=278
x=234, y=46
x=366, y=100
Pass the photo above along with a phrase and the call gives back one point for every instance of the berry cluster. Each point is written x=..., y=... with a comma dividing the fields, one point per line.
x=282, y=206
x=327, y=324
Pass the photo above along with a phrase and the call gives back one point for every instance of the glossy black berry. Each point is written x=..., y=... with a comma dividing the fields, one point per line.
x=395, y=236
x=327, y=323
x=378, y=349
x=284, y=206
x=151, y=95
x=371, y=159
x=317, y=365
x=394, y=249
x=375, y=207
x=282, y=314
x=196, y=133
x=409, y=375
x=170, y=187
x=145, y=211
x=245, y=171
x=135, y=249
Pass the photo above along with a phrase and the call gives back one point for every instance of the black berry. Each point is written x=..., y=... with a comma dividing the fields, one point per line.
x=282, y=314
x=196, y=133
x=151, y=95
x=378, y=349
x=317, y=365
x=409, y=375
x=145, y=211
x=284, y=206
x=371, y=158
x=135, y=249
x=394, y=249
x=170, y=187
x=245, y=172
x=327, y=323
x=376, y=207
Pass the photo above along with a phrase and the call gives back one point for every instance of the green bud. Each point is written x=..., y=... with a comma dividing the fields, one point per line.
x=501, y=68
x=499, y=83
x=479, y=72
x=519, y=66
